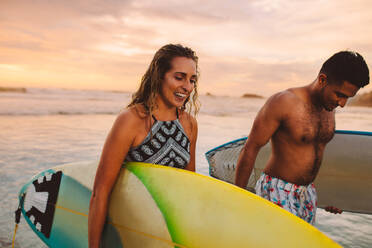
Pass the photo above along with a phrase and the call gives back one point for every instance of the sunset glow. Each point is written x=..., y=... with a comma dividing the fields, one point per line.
x=258, y=46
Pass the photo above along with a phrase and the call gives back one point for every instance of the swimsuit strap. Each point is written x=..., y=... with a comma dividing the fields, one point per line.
x=165, y=144
x=157, y=120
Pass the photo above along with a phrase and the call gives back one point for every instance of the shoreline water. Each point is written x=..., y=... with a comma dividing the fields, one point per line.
x=37, y=138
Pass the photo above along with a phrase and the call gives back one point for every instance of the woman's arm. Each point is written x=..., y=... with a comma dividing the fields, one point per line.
x=117, y=144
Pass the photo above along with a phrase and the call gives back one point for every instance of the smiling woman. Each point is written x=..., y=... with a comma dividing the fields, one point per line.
x=157, y=127
x=179, y=82
x=171, y=62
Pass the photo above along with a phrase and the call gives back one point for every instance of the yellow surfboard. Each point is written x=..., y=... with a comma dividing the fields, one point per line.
x=158, y=206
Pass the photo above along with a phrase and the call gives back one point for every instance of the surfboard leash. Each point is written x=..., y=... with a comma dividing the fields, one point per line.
x=17, y=218
x=14, y=235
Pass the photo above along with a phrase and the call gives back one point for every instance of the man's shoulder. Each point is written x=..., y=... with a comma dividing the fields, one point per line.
x=285, y=98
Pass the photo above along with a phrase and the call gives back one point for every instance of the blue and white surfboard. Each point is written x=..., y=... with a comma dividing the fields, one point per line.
x=344, y=179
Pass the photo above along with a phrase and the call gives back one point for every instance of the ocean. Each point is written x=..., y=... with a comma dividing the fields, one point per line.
x=46, y=127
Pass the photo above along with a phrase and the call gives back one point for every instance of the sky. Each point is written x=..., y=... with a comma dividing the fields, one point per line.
x=257, y=46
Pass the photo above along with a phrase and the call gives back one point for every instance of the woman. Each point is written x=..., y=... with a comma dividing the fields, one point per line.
x=155, y=119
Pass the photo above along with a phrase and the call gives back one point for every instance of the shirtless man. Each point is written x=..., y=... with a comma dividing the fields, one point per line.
x=300, y=122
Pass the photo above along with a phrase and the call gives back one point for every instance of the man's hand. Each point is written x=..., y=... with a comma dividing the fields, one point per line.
x=333, y=210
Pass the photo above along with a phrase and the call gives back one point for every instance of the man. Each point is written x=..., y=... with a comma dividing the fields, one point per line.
x=300, y=122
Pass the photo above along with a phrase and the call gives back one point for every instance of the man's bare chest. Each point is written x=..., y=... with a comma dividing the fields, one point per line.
x=308, y=127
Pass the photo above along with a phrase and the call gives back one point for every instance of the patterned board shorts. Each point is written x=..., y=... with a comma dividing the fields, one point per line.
x=297, y=199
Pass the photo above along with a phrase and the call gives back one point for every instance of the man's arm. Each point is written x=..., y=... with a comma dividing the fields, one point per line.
x=264, y=126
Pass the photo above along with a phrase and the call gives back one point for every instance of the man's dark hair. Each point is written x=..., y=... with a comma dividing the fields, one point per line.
x=346, y=66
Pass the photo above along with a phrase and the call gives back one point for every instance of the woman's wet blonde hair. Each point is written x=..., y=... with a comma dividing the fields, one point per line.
x=151, y=81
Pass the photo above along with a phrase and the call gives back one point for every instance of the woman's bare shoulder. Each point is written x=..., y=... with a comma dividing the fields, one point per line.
x=187, y=118
x=132, y=117
x=189, y=124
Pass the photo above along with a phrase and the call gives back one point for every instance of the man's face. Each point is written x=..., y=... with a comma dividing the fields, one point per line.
x=335, y=95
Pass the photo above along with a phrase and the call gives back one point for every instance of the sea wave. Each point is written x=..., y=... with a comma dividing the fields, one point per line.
x=62, y=102
x=81, y=102
x=40, y=102
x=59, y=113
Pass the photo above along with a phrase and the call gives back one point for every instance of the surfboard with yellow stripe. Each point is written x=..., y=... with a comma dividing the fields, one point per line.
x=157, y=206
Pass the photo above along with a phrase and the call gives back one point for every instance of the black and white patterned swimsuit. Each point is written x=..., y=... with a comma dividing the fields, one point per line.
x=166, y=144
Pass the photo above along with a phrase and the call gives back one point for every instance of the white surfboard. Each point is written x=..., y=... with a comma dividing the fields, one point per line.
x=344, y=179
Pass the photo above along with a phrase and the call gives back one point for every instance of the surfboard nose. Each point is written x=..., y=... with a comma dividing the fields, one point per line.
x=40, y=200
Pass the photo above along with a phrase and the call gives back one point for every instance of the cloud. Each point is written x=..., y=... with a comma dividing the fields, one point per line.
x=259, y=46
x=251, y=76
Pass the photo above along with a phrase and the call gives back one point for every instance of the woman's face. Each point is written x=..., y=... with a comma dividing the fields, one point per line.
x=178, y=82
